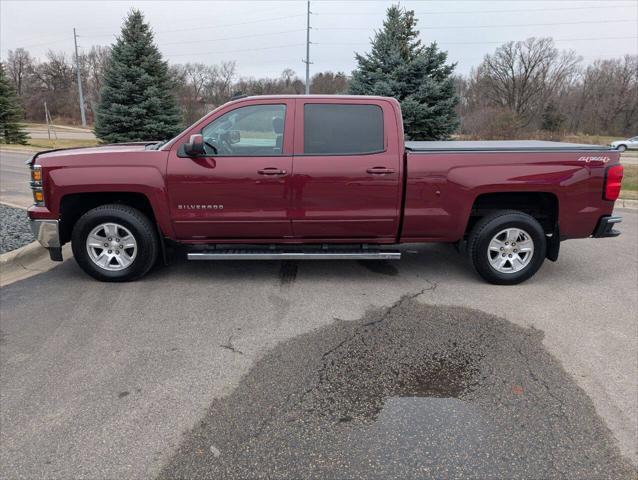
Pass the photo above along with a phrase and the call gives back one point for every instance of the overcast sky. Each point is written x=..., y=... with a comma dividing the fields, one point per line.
x=264, y=37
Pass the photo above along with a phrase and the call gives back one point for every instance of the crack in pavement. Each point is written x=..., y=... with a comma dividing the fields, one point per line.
x=229, y=346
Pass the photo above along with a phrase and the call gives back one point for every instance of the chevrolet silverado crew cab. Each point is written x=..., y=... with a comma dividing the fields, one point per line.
x=319, y=177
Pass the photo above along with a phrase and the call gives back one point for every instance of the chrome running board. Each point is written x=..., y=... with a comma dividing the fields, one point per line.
x=295, y=255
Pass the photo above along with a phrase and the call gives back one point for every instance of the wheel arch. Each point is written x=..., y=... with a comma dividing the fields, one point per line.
x=543, y=206
x=74, y=205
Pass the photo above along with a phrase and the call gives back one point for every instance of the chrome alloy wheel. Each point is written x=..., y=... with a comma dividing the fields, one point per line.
x=111, y=246
x=510, y=250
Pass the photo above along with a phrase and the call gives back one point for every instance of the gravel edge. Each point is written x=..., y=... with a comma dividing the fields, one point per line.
x=15, y=231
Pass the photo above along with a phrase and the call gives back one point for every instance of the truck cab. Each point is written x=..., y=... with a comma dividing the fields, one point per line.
x=343, y=185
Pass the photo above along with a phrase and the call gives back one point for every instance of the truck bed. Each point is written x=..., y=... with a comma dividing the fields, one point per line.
x=501, y=145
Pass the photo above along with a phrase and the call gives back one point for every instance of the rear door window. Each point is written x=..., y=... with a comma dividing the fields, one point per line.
x=342, y=129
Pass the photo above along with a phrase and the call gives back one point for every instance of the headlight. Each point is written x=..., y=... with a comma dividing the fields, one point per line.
x=36, y=185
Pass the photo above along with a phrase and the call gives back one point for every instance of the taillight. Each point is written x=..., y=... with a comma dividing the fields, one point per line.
x=613, y=178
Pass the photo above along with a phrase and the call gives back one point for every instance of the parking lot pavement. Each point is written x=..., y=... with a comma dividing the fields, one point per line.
x=105, y=380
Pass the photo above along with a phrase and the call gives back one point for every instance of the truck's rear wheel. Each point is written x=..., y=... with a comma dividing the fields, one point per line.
x=115, y=243
x=507, y=247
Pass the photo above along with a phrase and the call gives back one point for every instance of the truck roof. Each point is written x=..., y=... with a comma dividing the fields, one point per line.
x=314, y=96
x=492, y=145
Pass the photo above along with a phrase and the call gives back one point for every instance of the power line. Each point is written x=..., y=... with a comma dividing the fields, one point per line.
x=234, y=38
x=491, y=42
x=447, y=27
x=207, y=27
x=41, y=44
x=216, y=26
x=461, y=12
x=234, y=51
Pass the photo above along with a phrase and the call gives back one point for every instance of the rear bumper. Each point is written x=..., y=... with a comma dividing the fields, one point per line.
x=605, y=227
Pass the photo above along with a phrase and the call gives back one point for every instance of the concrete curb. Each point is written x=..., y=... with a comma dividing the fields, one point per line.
x=627, y=203
x=13, y=205
x=23, y=254
x=24, y=262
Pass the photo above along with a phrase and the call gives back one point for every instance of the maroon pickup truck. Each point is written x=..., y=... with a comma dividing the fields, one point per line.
x=319, y=177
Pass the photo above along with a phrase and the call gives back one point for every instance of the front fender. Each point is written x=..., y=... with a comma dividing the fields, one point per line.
x=145, y=180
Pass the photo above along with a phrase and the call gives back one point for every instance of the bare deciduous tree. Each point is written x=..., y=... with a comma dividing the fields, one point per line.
x=329, y=83
x=523, y=76
x=19, y=66
x=606, y=98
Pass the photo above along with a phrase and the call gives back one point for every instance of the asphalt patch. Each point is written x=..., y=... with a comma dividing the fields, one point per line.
x=411, y=391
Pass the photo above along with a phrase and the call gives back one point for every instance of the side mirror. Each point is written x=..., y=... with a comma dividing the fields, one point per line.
x=195, y=146
x=234, y=136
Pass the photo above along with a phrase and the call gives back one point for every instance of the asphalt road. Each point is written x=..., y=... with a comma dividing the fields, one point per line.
x=105, y=381
x=14, y=178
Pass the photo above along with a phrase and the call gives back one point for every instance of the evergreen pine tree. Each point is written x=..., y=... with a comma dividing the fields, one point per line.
x=10, y=113
x=136, y=101
x=417, y=76
x=552, y=120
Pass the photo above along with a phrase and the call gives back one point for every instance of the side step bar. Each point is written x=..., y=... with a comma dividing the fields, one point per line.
x=295, y=255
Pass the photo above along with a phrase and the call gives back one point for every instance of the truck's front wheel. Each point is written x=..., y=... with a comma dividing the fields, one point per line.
x=115, y=243
x=507, y=247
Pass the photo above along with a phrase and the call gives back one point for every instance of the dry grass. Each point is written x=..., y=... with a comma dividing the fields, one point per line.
x=590, y=139
x=59, y=128
x=44, y=143
x=40, y=144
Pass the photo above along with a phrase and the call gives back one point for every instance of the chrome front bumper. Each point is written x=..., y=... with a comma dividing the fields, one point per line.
x=46, y=232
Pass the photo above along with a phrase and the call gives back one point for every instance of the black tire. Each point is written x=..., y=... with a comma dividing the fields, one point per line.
x=487, y=228
x=622, y=148
x=139, y=225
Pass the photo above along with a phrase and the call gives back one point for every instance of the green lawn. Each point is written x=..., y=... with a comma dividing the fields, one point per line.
x=630, y=182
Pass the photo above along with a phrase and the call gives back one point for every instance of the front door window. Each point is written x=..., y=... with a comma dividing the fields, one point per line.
x=253, y=131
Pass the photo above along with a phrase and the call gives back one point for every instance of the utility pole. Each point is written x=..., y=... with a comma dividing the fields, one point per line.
x=46, y=119
x=77, y=67
x=307, y=60
x=49, y=120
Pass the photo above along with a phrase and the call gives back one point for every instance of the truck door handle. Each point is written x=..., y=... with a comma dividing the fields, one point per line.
x=379, y=170
x=271, y=171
